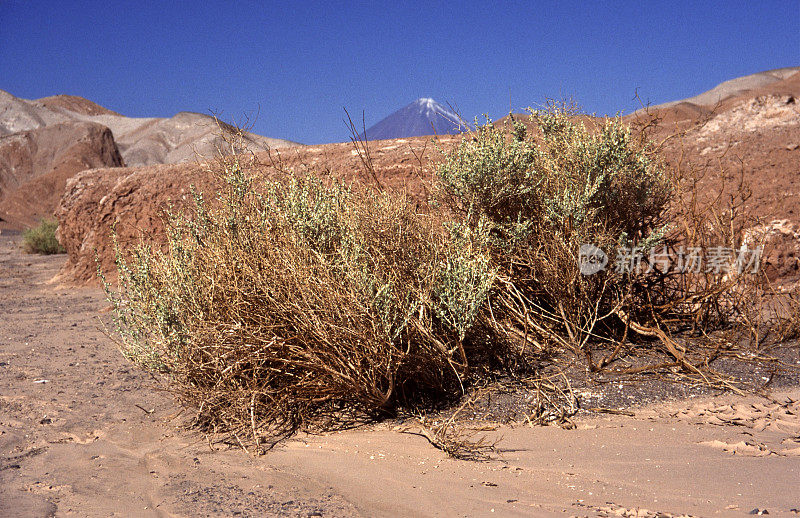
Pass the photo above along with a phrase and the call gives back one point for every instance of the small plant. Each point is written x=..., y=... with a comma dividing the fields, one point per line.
x=42, y=238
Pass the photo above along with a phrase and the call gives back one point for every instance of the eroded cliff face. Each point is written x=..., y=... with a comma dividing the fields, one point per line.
x=35, y=166
x=132, y=200
x=753, y=134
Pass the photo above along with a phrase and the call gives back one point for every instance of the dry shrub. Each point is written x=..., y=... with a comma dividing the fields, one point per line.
x=547, y=191
x=724, y=311
x=301, y=302
x=304, y=302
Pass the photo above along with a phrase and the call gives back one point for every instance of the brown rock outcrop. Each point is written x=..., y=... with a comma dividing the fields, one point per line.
x=35, y=166
x=131, y=200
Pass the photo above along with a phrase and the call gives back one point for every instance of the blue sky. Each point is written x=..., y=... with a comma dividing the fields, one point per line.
x=302, y=62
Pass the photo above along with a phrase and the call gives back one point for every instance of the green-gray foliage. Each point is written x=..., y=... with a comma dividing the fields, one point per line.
x=42, y=238
x=560, y=177
x=542, y=190
x=306, y=292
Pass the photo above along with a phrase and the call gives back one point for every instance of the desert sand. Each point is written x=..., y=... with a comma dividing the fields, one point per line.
x=84, y=433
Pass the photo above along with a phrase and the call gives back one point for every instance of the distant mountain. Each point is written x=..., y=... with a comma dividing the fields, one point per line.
x=142, y=141
x=44, y=142
x=422, y=117
x=740, y=86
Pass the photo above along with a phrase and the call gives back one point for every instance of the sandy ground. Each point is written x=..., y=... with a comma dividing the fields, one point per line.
x=83, y=433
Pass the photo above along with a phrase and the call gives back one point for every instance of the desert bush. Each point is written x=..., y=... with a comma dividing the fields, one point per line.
x=543, y=191
x=41, y=239
x=270, y=307
x=306, y=302
x=554, y=188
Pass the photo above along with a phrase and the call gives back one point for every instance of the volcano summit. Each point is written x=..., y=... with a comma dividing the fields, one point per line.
x=422, y=117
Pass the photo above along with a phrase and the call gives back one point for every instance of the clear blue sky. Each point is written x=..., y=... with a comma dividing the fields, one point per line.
x=302, y=62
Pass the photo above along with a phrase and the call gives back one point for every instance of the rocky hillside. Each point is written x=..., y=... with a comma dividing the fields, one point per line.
x=746, y=128
x=740, y=87
x=35, y=166
x=142, y=141
x=48, y=140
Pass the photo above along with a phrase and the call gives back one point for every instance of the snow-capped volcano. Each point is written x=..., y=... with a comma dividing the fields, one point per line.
x=422, y=117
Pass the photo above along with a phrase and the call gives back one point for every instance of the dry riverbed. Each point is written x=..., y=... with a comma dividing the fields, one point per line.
x=84, y=433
